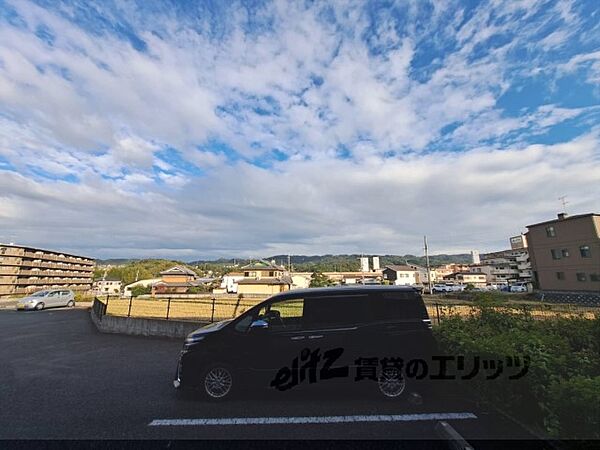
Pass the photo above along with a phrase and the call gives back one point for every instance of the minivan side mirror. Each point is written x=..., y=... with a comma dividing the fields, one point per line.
x=259, y=325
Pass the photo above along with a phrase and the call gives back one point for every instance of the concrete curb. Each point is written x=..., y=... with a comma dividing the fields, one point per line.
x=144, y=327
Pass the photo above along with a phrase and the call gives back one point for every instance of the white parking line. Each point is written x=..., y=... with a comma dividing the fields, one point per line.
x=310, y=419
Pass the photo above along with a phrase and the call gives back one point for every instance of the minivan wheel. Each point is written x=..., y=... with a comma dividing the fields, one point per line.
x=70, y=304
x=391, y=383
x=39, y=306
x=218, y=382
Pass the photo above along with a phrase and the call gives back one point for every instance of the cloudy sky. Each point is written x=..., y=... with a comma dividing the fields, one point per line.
x=209, y=129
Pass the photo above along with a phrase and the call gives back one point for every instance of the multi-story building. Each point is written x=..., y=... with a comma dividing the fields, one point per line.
x=565, y=253
x=107, y=286
x=476, y=279
x=24, y=270
x=449, y=269
x=507, y=266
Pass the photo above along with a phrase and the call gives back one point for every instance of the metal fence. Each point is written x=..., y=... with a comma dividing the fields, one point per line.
x=215, y=309
x=201, y=310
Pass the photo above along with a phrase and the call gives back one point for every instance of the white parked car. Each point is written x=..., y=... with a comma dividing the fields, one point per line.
x=47, y=299
x=517, y=288
x=445, y=288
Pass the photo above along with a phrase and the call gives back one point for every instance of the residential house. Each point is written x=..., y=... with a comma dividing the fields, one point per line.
x=178, y=280
x=107, y=286
x=401, y=275
x=263, y=278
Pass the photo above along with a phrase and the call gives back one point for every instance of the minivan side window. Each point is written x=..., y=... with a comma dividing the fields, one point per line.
x=393, y=306
x=285, y=315
x=336, y=311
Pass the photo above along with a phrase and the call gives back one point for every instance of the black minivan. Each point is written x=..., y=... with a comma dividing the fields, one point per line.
x=308, y=336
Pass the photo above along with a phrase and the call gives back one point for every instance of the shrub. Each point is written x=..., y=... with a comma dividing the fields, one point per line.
x=575, y=407
x=140, y=290
x=560, y=349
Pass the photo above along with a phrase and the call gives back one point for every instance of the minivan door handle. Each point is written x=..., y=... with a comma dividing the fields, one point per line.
x=315, y=336
x=297, y=338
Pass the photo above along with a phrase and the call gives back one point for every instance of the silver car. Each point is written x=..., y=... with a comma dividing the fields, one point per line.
x=47, y=299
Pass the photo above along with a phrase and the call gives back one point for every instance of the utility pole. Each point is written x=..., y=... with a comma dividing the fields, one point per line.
x=289, y=263
x=427, y=261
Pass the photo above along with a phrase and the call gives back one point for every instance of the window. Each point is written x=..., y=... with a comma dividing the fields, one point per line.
x=550, y=231
x=594, y=277
x=581, y=276
x=396, y=306
x=585, y=251
x=556, y=254
x=560, y=275
x=337, y=311
x=565, y=253
x=285, y=315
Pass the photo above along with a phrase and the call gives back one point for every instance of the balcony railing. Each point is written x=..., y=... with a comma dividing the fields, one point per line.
x=51, y=265
x=56, y=273
x=26, y=281
x=51, y=257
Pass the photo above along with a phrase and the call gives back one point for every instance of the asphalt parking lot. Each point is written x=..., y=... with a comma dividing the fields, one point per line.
x=62, y=379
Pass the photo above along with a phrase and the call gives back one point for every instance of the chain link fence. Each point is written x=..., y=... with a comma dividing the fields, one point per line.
x=439, y=311
x=216, y=309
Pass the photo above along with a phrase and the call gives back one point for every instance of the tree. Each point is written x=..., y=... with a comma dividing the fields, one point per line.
x=317, y=279
x=141, y=290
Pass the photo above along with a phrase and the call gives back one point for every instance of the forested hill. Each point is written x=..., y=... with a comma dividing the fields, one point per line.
x=327, y=263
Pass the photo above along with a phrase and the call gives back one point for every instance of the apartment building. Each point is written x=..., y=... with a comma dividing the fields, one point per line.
x=506, y=266
x=565, y=253
x=24, y=270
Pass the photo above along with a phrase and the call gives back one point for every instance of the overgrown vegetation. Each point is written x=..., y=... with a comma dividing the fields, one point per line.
x=138, y=270
x=560, y=392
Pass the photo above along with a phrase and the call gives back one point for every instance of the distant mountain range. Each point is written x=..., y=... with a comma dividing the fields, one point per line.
x=314, y=262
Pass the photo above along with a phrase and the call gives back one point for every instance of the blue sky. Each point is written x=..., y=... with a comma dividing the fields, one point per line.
x=208, y=129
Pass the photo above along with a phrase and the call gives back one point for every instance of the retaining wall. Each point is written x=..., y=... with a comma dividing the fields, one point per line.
x=144, y=327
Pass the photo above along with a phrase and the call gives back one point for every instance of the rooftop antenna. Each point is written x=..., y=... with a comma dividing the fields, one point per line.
x=563, y=201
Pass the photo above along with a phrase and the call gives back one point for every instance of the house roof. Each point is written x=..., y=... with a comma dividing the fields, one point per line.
x=262, y=265
x=577, y=216
x=179, y=270
x=266, y=281
x=400, y=268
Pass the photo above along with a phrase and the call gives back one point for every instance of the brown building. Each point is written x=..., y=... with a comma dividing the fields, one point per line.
x=24, y=270
x=565, y=253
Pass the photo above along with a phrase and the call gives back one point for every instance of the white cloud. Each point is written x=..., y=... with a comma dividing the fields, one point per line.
x=93, y=107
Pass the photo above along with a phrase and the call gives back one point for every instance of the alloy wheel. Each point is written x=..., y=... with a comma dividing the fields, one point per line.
x=391, y=382
x=218, y=382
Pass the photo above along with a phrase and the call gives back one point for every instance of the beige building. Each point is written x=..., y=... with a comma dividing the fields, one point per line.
x=24, y=270
x=107, y=287
x=565, y=253
x=263, y=278
x=476, y=279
